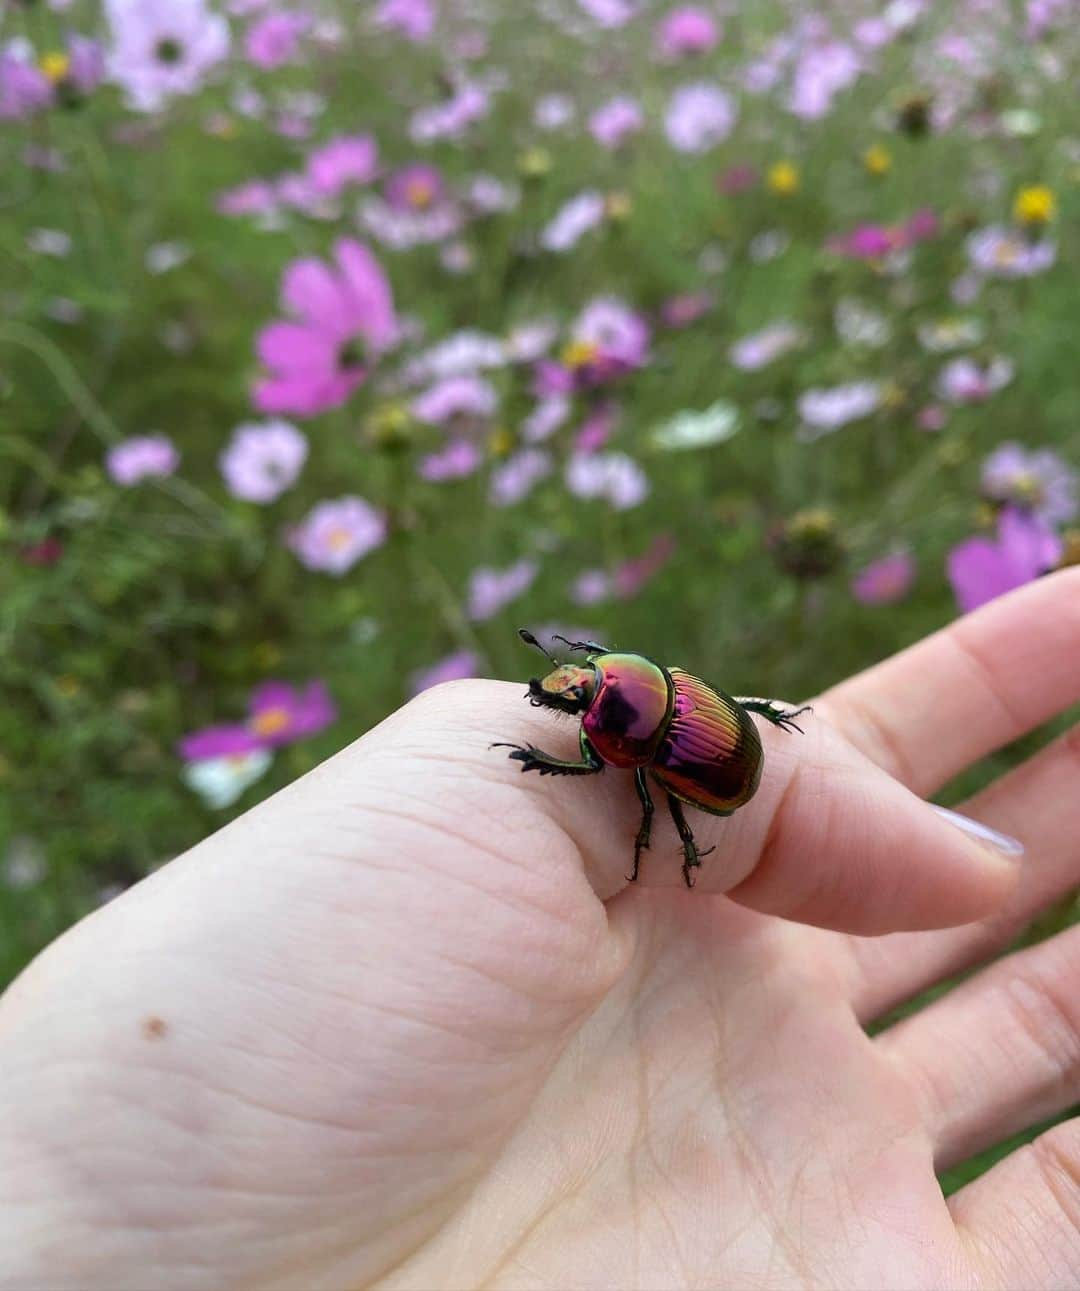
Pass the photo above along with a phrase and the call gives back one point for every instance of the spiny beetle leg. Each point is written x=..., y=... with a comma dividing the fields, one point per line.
x=534, y=759
x=692, y=858
x=772, y=712
x=641, y=843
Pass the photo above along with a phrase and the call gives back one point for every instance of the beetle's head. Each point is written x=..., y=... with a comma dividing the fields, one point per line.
x=570, y=688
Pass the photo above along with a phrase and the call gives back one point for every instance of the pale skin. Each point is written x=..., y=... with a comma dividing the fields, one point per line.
x=405, y=1025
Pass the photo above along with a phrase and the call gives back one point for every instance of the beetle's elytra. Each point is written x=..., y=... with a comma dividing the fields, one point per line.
x=697, y=742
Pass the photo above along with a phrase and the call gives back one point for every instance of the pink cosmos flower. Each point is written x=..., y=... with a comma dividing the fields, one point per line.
x=492, y=589
x=346, y=160
x=981, y=569
x=686, y=309
x=456, y=398
x=413, y=19
x=699, y=117
x=967, y=380
x=687, y=30
x=275, y=39
x=24, y=89
x=609, y=13
x=618, y=335
x=278, y=714
x=513, y=480
x=820, y=74
x=263, y=460
x=459, y=458
x=737, y=179
x=256, y=197
x=884, y=581
x=140, y=458
x=163, y=48
x=345, y=320
x=826, y=410
x=613, y=123
x=454, y=667
x=336, y=534
x=759, y=349
x=1035, y=480
x=632, y=575
x=452, y=117
x=616, y=478
x=572, y=221
x=1006, y=253
x=415, y=187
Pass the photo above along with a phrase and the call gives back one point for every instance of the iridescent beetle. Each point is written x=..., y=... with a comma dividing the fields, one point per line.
x=698, y=742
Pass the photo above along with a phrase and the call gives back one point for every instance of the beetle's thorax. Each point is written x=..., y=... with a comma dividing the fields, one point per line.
x=630, y=710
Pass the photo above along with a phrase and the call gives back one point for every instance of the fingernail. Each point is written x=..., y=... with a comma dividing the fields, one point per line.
x=976, y=829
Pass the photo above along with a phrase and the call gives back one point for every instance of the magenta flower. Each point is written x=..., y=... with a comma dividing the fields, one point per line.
x=346, y=160
x=492, y=589
x=820, y=74
x=163, y=48
x=699, y=117
x=737, y=179
x=759, y=349
x=1036, y=480
x=141, y=457
x=688, y=30
x=277, y=714
x=981, y=569
x=866, y=242
x=685, y=309
x=450, y=118
x=415, y=187
x=24, y=89
x=632, y=575
x=263, y=460
x=336, y=534
x=884, y=581
x=346, y=320
x=274, y=40
x=454, y=667
x=613, y=123
x=413, y=19
x=256, y=197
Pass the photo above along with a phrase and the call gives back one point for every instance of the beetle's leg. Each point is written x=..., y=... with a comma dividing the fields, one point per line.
x=691, y=856
x=772, y=712
x=641, y=843
x=534, y=759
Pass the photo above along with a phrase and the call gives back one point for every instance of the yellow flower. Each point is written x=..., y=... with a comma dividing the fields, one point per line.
x=1035, y=204
x=55, y=65
x=783, y=178
x=877, y=159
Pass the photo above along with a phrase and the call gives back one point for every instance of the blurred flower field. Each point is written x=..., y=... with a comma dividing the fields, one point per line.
x=339, y=338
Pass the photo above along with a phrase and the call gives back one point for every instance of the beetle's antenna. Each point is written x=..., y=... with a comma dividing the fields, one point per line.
x=529, y=639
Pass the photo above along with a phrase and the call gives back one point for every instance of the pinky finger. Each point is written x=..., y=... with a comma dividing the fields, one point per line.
x=1021, y=1221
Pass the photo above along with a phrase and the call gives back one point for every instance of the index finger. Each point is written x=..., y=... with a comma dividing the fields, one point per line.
x=931, y=711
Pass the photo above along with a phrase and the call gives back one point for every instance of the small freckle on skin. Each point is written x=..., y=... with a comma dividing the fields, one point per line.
x=154, y=1027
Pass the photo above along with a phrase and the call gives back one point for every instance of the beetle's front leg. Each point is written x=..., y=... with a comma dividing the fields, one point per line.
x=772, y=712
x=691, y=856
x=534, y=759
x=641, y=843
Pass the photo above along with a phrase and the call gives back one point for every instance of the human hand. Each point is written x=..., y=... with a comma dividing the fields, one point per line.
x=406, y=1025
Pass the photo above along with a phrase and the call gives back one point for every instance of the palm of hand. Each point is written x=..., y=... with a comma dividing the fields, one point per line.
x=405, y=1025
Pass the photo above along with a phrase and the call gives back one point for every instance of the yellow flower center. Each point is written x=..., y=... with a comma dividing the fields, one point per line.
x=1027, y=488
x=579, y=354
x=339, y=539
x=55, y=66
x=271, y=721
x=1006, y=253
x=419, y=194
x=783, y=178
x=1035, y=205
